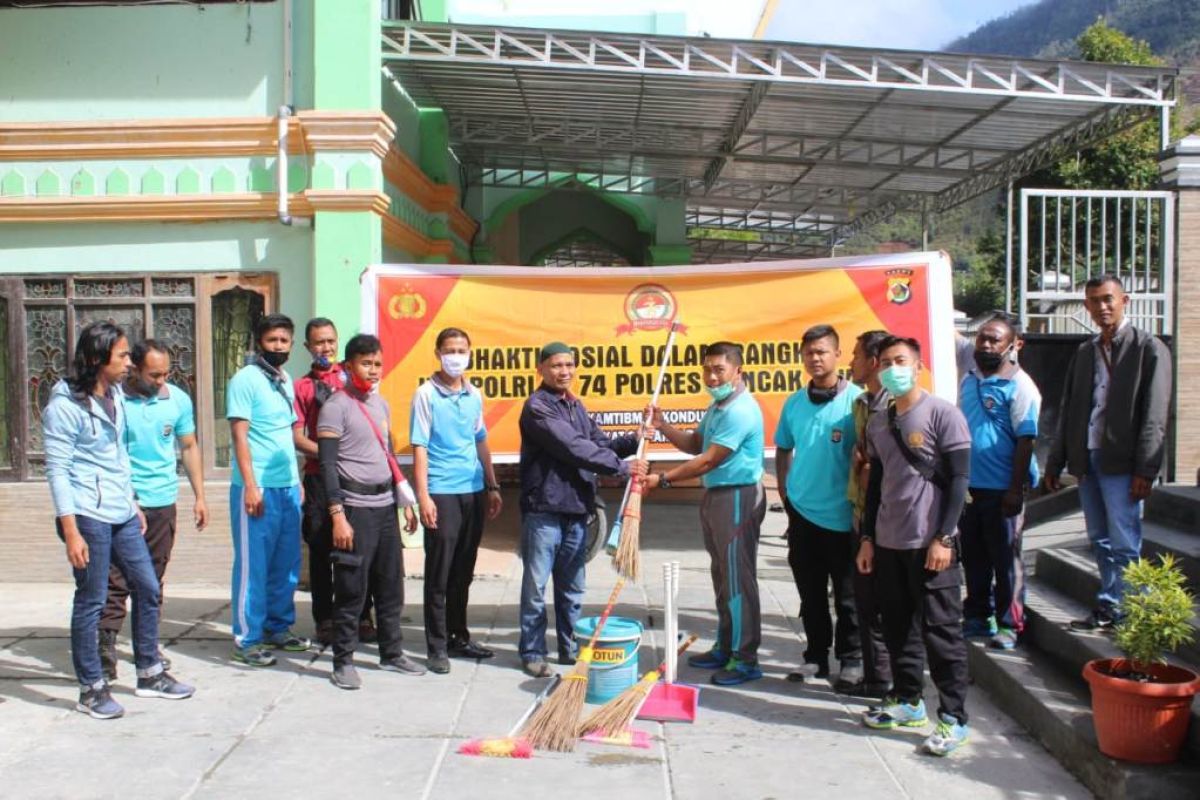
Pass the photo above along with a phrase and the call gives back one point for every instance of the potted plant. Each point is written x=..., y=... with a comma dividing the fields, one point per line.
x=1141, y=705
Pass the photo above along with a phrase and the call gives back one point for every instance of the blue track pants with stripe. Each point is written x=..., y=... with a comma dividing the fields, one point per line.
x=731, y=517
x=266, y=563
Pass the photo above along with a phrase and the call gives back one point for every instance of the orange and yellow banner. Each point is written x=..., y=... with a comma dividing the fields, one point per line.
x=617, y=320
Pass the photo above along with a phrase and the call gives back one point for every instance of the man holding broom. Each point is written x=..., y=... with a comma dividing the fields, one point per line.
x=728, y=445
x=562, y=451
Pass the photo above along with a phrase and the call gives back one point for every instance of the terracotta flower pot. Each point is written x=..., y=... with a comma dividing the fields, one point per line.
x=1142, y=722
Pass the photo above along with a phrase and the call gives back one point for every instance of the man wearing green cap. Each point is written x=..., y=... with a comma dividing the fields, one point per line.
x=562, y=451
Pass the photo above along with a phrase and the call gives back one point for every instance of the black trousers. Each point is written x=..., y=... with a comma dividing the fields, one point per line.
x=450, y=552
x=160, y=540
x=922, y=617
x=817, y=557
x=877, y=664
x=317, y=528
x=380, y=574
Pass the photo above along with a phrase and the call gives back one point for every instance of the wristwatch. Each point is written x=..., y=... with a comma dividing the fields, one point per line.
x=663, y=481
x=495, y=487
x=948, y=539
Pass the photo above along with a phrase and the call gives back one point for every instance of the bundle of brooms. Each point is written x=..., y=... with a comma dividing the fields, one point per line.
x=555, y=725
x=612, y=718
x=627, y=561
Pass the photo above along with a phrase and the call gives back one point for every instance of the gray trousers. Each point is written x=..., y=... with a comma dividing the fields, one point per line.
x=731, y=517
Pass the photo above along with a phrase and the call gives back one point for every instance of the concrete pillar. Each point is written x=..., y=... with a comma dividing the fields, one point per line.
x=1181, y=172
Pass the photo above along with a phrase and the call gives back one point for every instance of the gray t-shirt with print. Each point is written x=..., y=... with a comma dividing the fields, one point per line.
x=360, y=456
x=910, y=507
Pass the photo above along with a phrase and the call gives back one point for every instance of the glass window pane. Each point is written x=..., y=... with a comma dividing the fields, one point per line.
x=110, y=287
x=172, y=287
x=175, y=327
x=46, y=360
x=130, y=319
x=235, y=312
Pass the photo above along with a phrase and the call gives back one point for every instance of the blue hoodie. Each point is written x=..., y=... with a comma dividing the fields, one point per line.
x=86, y=461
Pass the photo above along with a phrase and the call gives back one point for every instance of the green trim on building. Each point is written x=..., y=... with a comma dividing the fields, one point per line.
x=344, y=244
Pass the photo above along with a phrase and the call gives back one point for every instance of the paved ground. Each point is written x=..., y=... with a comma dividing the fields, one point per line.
x=288, y=732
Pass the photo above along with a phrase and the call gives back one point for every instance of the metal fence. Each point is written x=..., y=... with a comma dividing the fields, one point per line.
x=1068, y=236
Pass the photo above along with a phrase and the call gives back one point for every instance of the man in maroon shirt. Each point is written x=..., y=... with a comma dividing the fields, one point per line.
x=325, y=378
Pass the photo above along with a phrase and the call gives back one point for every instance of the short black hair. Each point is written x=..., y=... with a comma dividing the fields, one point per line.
x=870, y=341
x=143, y=348
x=728, y=350
x=909, y=342
x=269, y=322
x=820, y=332
x=362, y=344
x=451, y=333
x=1100, y=280
x=318, y=322
x=1006, y=321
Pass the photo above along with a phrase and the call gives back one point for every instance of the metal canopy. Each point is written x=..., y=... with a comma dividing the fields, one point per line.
x=804, y=141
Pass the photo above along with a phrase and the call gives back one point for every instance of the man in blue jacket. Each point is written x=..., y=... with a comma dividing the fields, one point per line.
x=562, y=450
x=98, y=517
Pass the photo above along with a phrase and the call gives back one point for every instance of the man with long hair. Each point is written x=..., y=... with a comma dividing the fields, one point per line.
x=98, y=518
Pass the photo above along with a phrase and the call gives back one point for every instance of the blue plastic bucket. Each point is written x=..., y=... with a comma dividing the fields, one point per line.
x=614, y=660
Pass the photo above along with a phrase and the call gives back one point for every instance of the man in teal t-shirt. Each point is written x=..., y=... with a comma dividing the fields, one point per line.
x=814, y=444
x=157, y=415
x=264, y=499
x=728, y=446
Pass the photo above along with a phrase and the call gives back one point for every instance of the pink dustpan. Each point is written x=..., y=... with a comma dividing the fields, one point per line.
x=671, y=702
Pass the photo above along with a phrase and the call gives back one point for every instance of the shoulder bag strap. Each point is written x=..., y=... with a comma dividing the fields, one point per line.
x=927, y=470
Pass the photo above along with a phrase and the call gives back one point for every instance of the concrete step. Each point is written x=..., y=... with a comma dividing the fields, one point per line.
x=1048, y=613
x=1071, y=571
x=1178, y=506
x=1056, y=709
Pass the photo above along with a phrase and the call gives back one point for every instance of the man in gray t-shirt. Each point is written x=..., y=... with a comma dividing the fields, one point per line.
x=920, y=451
x=364, y=484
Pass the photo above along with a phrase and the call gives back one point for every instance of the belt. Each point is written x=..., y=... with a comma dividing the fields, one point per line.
x=365, y=488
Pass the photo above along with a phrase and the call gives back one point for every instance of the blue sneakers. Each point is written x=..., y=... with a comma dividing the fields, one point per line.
x=1005, y=639
x=975, y=628
x=97, y=702
x=948, y=736
x=713, y=659
x=895, y=713
x=736, y=672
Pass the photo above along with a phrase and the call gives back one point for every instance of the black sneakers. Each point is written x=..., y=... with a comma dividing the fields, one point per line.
x=164, y=686
x=1100, y=620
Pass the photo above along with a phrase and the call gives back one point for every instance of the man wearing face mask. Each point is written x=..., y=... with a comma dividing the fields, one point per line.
x=456, y=486
x=920, y=451
x=1001, y=405
x=324, y=378
x=264, y=499
x=363, y=485
x=814, y=443
x=157, y=415
x=562, y=450
x=728, y=445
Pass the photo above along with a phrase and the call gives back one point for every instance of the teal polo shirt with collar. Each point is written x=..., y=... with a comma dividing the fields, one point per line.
x=152, y=426
x=735, y=423
x=269, y=408
x=448, y=423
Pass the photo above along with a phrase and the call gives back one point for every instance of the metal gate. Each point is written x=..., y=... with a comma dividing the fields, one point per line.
x=1068, y=236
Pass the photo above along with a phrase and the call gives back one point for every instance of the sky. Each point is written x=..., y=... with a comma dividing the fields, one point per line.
x=895, y=24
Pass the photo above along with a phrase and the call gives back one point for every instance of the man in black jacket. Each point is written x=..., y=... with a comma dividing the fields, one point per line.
x=1112, y=436
x=562, y=449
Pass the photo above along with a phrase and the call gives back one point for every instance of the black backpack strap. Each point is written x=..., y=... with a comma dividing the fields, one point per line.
x=321, y=391
x=927, y=470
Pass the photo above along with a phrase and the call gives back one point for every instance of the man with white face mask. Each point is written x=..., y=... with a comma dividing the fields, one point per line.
x=452, y=467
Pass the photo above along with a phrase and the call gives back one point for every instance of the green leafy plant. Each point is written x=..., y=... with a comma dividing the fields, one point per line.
x=1157, y=611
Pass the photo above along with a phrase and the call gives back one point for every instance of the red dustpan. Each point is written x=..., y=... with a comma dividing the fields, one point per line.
x=671, y=702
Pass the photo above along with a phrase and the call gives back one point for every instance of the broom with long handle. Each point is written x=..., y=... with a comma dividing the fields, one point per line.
x=555, y=725
x=614, y=716
x=628, y=559
x=510, y=746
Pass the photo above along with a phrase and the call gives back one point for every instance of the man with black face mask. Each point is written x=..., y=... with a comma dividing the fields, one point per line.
x=1001, y=405
x=264, y=499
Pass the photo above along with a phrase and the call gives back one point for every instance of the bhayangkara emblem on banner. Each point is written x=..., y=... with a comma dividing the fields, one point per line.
x=407, y=304
x=898, y=289
x=648, y=307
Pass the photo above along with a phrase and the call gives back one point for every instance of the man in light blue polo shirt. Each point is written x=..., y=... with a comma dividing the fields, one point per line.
x=728, y=445
x=157, y=415
x=1001, y=404
x=814, y=443
x=452, y=465
x=264, y=499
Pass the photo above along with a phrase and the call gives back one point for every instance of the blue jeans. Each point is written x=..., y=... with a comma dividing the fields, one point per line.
x=552, y=545
x=266, y=563
x=1114, y=527
x=121, y=545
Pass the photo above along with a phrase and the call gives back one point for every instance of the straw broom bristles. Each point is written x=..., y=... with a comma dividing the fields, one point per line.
x=555, y=726
x=627, y=561
x=615, y=716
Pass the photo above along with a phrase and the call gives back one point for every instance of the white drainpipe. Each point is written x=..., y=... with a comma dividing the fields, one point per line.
x=285, y=111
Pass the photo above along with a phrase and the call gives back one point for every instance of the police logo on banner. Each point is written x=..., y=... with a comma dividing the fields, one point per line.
x=899, y=288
